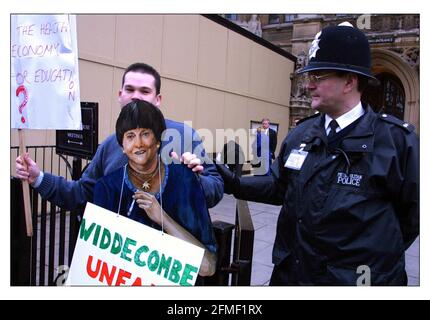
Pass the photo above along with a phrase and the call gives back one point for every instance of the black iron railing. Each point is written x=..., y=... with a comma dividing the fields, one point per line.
x=41, y=259
x=240, y=267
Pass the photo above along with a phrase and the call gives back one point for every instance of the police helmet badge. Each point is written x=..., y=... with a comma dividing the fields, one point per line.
x=314, y=47
x=341, y=48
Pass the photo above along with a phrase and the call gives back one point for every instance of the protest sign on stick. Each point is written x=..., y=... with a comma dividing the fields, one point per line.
x=25, y=189
x=44, y=77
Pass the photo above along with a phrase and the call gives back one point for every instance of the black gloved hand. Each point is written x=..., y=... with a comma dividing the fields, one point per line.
x=231, y=180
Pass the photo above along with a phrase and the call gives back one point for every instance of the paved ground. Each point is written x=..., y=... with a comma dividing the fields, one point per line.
x=264, y=218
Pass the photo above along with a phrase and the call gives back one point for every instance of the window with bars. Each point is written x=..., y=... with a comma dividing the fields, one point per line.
x=389, y=97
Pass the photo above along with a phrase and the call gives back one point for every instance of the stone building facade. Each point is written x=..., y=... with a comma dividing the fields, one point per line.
x=395, y=48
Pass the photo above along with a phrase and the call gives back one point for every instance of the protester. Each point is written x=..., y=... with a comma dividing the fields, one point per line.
x=143, y=82
x=137, y=189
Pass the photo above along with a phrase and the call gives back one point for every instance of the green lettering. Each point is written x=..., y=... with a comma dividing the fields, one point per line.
x=117, y=244
x=105, y=240
x=85, y=233
x=139, y=251
x=126, y=250
x=186, y=274
x=96, y=235
x=164, y=264
x=152, y=265
x=174, y=272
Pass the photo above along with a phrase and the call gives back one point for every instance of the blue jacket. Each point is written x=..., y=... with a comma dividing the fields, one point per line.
x=182, y=195
x=109, y=157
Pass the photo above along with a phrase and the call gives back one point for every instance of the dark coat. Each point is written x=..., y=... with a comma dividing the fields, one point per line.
x=273, y=141
x=183, y=200
x=233, y=156
x=353, y=203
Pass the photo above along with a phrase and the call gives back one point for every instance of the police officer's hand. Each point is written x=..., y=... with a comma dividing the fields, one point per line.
x=231, y=180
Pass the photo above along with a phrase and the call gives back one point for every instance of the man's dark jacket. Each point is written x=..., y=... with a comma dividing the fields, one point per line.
x=351, y=208
x=273, y=141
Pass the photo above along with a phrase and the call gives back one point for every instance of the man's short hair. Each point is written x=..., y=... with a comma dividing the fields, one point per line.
x=144, y=68
x=265, y=119
x=140, y=114
x=362, y=81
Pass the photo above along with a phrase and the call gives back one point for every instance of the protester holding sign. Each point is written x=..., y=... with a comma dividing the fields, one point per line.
x=137, y=189
x=44, y=78
x=140, y=81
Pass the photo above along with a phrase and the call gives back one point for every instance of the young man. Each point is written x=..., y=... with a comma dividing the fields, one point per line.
x=140, y=82
x=347, y=178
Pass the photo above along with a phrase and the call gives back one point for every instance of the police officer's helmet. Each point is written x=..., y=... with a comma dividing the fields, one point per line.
x=342, y=48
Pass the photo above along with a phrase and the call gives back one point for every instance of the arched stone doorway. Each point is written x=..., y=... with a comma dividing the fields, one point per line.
x=397, y=75
x=388, y=97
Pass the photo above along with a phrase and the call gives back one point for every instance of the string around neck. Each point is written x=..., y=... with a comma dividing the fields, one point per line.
x=161, y=196
x=122, y=189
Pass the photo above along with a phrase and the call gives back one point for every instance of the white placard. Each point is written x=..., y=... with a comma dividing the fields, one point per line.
x=44, y=72
x=115, y=250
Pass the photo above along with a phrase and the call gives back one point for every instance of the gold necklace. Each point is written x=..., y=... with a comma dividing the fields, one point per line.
x=144, y=181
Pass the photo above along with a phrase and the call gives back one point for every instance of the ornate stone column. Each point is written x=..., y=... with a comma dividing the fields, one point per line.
x=299, y=100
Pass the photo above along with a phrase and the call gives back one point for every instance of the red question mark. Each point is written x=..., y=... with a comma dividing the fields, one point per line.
x=22, y=89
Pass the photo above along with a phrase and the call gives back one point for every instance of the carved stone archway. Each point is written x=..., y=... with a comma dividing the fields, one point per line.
x=387, y=61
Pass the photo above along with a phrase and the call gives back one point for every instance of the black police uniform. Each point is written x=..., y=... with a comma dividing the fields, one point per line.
x=354, y=202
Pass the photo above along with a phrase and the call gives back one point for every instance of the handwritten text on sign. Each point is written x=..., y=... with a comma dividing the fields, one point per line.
x=45, y=78
x=114, y=250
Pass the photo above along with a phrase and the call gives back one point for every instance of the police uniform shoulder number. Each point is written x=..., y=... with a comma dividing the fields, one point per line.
x=393, y=120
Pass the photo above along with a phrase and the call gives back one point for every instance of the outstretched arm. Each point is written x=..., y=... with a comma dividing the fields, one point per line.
x=265, y=189
x=65, y=194
x=74, y=194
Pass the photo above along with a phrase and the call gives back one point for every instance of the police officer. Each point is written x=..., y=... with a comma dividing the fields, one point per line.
x=347, y=178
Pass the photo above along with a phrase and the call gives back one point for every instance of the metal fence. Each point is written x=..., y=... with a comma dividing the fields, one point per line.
x=43, y=258
x=234, y=265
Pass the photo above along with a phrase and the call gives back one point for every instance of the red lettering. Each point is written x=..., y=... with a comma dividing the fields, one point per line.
x=121, y=275
x=137, y=282
x=107, y=274
x=104, y=274
x=91, y=273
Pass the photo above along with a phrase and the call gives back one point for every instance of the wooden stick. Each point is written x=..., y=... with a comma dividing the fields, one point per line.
x=25, y=187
